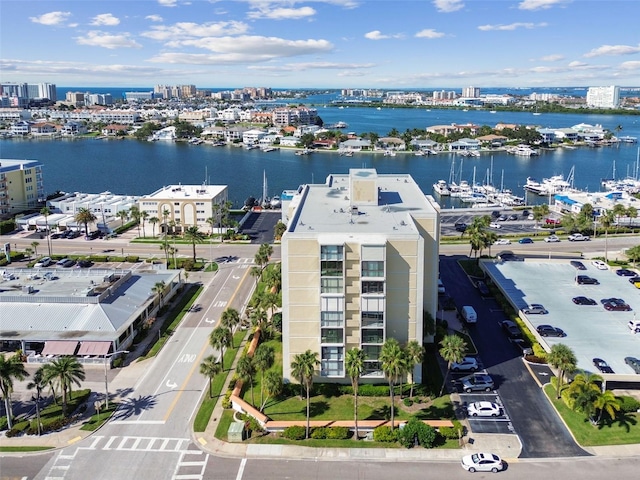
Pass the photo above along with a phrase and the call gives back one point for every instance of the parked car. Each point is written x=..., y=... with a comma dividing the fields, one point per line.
x=535, y=309
x=68, y=263
x=509, y=257
x=43, y=262
x=603, y=366
x=93, y=235
x=552, y=221
x=483, y=409
x=460, y=226
x=634, y=279
x=633, y=362
x=552, y=239
x=525, y=240
x=441, y=289
x=502, y=218
x=55, y=236
x=84, y=264
x=550, y=331
x=577, y=265
x=530, y=217
x=467, y=364
x=482, y=462
x=525, y=213
x=584, y=301
x=495, y=225
x=495, y=214
x=511, y=329
x=522, y=345
x=624, y=272
x=513, y=217
x=615, y=305
x=502, y=241
x=600, y=265
x=578, y=237
x=586, y=280
x=483, y=289
x=477, y=381
x=73, y=234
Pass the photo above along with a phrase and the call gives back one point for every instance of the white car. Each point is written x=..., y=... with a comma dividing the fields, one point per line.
x=43, y=262
x=502, y=241
x=482, y=462
x=530, y=217
x=495, y=225
x=467, y=364
x=600, y=265
x=483, y=409
x=552, y=239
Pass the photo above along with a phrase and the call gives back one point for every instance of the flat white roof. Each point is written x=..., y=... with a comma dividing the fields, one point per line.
x=184, y=191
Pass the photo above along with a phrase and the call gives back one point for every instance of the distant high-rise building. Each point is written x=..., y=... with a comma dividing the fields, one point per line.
x=603, y=97
x=471, y=92
x=29, y=91
x=21, y=186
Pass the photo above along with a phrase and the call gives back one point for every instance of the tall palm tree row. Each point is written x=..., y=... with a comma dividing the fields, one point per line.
x=220, y=338
x=11, y=369
x=354, y=366
x=210, y=367
x=393, y=362
x=39, y=383
x=303, y=367
x=263, y=360
x=194, y=235
x=230, y=319
x=452, y=349
x=65, y=372
x=564, y=360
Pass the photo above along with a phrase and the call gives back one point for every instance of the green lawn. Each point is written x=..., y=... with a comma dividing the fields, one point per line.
x=625, y=430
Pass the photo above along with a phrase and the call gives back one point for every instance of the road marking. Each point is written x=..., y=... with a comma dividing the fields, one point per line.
x=171, y=385
x=213, y=320
x=241, y=469
x=74, y=440
x=202, y=441
x=137, y=422
x=544, y=374
x=200, y=356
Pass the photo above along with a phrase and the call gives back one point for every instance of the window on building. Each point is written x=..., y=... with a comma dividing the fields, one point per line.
x=332, y=362
x=372, y=335
x=372, y=286
x=331, y=285
x=331, y=252
x=331, y=319
x=373, y=269
x=332, y=335
x=372, y=319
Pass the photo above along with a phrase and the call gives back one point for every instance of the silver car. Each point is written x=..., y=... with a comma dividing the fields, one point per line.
x=535, y=308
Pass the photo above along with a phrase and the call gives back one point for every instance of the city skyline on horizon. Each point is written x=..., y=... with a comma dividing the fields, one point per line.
x=322, y=44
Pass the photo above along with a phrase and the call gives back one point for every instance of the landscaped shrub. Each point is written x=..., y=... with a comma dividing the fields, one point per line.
x=628, y=404
x=132, y=259
x=319, y=433
x=367, y=390
x=452, y=433
x=385, y=435
x=294, y=432
x=338, y=433
x=407, y=402
x=416, y=429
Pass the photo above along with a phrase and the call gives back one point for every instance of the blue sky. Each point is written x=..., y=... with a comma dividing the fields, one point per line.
x=390, y=44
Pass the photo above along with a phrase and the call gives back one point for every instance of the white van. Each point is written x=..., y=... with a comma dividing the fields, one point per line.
x=469, y=314
x=634, y=326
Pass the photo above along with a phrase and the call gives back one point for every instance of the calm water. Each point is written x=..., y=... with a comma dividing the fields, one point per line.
x=138, y=168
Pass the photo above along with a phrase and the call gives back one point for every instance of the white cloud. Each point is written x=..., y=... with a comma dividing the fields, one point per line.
x=447, y=6
x=613, y=50
x=168, y=3
x=540, y=4
x=105, y=19
x=281, y=13
x=378, y=35
x=189, y=30
x=51, y=18
x=631, y=65
x=511, y=26
x=154, y=18
x=429, y=33
x=552, y=58
x=106, y=40
x=300, y=67
x=243, y=49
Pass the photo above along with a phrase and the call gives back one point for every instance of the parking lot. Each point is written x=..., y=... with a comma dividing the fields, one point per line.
x=500, y=424
x=591, y=331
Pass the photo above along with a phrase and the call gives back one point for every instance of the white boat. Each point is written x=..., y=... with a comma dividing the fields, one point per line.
x=304, y=151
x=251, y=146
x=441, y=188
x=345, y=153
x=492, y=111
x=551, y=185
x=337, y=125
x=275, y=202
x=389, y=153
x=523, y=150
x=269, y=149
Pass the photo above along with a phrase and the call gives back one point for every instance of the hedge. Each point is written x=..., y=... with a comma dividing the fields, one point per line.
x=628, y=404
x=385, y=435
x=295, y=432
x=333, y=433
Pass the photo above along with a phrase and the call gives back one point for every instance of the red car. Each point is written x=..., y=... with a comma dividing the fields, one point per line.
x=553, y=221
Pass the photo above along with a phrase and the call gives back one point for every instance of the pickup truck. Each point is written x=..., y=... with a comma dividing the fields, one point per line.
x=578, y=237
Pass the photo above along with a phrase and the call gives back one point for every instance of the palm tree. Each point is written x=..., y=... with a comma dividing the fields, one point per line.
x=414, y=354
x=230, y=319
x=393, y=365
x=273, y=277
x=564, y=360
x=606, y=221
x=220, y=338
x=153, y=221
x=606, y=402
x=143, y=216
x=246, y=370
x=452, y=349
x=261, y=258
x=210, y=367
x=272, y=386
x=134, y=213
x=123, y=215
x=10, y=369
x=46, y=211
x=29, y=252
x=165, y=218
x=354, y=365
x=158, y=289
x=263, y=360
x=85, y=217
x=260, y=321
x=584, y=391
x=193, y=235
x=303, y=367
x=34, y=245
x=65, y=372
x=211, y=222
x=39, y=383
x=256, y=272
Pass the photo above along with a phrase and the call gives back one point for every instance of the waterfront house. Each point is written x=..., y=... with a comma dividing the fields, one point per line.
x=21, y=186
x=113, y=130
x=492, y=140
x=566, y=134
x=253, y=136
x=425, y=145
x=73, y=128
x=43, y=129
x=548, y=135
x=21, y=128
x=391, y=143
x=464, y=144
x=356, y=144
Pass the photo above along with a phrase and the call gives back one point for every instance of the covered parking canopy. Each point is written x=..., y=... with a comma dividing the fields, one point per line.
x=59, y=347
x=94, y=348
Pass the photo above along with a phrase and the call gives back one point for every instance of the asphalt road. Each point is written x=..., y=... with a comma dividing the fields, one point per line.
x=540, y=430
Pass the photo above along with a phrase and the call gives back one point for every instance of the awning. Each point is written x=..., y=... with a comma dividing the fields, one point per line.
x=59, y=347
x=94, y=348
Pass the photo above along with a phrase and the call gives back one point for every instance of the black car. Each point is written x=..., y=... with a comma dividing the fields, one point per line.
x=56, y=235
x=550, y=331
x=603, y=366
x=495, y=214
x=634, y=279
x=73, y=234
x=523, y=346
x=525, y=213
x=584, y=301
x=586, y=280
x=615, y=305
x=483, y=289
x=577, y=265
x=513, y=217
x=634, y=363
x=84, y=263
x=509, y=257
x=624, y=272
x=511, y=329
x=460, y=226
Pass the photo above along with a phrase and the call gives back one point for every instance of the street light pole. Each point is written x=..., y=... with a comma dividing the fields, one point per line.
x=106, y=379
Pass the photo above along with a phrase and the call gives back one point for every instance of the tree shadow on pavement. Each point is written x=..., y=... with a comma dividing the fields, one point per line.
x=134, y=406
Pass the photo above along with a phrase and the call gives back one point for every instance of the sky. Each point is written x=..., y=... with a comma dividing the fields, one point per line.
x=296, y=44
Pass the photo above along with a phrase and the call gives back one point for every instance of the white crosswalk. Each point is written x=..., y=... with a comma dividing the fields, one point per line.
x=139, y=444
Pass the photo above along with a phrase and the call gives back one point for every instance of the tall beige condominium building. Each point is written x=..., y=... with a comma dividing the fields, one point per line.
x=359, y=265
x=21, y=186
